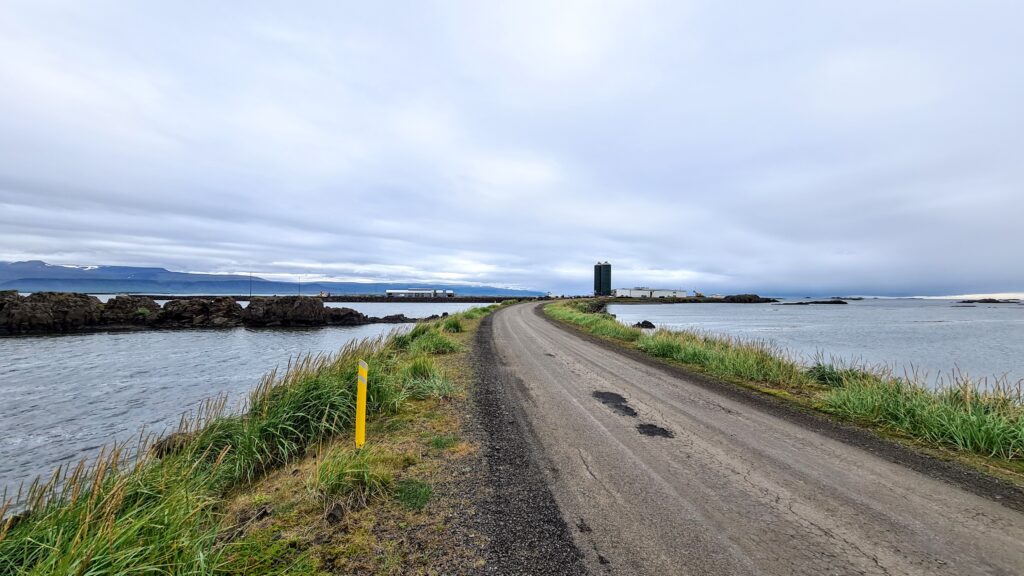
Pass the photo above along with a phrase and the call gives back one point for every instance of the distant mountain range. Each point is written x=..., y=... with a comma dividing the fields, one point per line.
x=38, y=276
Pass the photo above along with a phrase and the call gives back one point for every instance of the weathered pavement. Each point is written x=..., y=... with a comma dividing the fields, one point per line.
x=735, y=489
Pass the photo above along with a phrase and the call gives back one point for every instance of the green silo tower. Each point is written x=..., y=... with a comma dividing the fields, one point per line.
x=602, y=279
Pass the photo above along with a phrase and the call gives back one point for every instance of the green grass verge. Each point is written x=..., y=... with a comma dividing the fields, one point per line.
x=986, y=421
x=158, y=508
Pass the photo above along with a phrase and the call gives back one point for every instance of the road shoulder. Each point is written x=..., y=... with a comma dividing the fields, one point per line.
x=526, y=530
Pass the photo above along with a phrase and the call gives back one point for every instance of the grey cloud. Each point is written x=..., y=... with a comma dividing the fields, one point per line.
x=788, y=148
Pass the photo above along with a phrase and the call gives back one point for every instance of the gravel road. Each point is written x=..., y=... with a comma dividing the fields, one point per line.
x=658, y=473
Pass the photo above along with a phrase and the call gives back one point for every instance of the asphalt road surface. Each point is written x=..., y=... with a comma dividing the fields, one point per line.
x=655, y=473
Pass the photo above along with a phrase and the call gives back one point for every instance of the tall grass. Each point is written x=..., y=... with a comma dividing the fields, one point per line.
x=433, y=342
x=983, y=420
x=599, y=324
x=156, y=507
x=452, y=324
x=966, y=415
x=726, y=357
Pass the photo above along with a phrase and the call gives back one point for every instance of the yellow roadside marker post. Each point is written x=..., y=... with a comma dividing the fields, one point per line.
x=361, y=405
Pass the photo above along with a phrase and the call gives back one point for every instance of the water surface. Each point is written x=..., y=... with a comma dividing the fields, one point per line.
x=62, y=397
x=933, y=337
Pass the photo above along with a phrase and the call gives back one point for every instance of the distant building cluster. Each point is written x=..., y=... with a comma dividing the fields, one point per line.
x=419, y=293
x=642, y=292
x=603, y=287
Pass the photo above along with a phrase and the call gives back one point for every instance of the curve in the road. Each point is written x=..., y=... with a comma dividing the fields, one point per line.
x=661, y=475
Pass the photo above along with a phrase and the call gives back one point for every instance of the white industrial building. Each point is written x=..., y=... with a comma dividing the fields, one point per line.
x=419, y=293
x=649, y=293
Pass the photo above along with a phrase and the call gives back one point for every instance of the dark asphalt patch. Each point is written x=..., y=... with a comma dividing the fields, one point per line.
x=655, y=430
x=616, y=402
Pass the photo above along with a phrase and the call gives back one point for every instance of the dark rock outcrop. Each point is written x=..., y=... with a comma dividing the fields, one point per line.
x=809, y=302
x=400, y=319
x=48, y=312
x=130, y=310
x=346, y=317
x=747, y=299
x=645, y=324
x=286, y=311
x=221, y=312
x=990, y=301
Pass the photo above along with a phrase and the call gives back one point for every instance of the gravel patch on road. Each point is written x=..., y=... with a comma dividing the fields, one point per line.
x=517, y=511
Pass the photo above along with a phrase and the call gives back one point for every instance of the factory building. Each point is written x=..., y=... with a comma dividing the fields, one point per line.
x=649, y=293
x=419, y=293
x=602, y=279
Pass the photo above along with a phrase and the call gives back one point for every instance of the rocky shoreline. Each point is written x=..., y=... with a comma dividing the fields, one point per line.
x=68, y=312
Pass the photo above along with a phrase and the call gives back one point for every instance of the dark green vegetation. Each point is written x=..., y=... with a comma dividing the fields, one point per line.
x=965, y=417
x=197, y=501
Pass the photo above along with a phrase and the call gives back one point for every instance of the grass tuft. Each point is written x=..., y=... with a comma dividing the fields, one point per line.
x=433, y=387
x=452, y=325
x=443, y=441
x=353, y=477
x=433, y=343
x=413, y=494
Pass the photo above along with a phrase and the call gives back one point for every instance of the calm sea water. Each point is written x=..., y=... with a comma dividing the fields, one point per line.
x=933, y=337
x=62, y=397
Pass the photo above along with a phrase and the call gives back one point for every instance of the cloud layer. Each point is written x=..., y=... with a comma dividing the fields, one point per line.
x=796, y=147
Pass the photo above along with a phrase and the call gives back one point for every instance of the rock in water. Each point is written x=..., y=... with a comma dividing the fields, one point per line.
x=645, y=324
x=286, y=311
x=345, y=317
x=48, y=312
x=220, y=312
x=130, y=310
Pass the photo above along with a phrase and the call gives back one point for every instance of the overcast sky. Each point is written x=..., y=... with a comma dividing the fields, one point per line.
x=778, y=147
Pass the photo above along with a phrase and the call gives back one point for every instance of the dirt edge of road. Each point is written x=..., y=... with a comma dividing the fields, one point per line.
x=527, y=533
x=955, y=473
